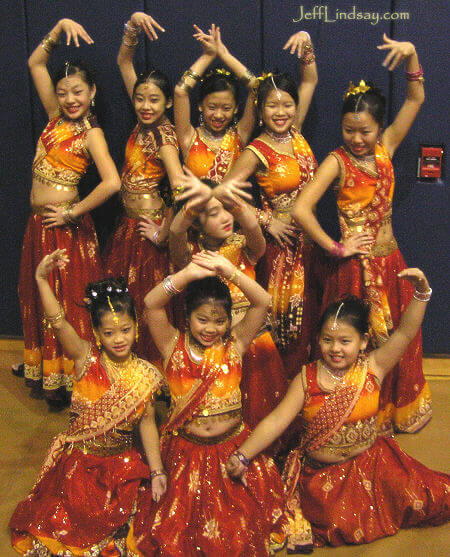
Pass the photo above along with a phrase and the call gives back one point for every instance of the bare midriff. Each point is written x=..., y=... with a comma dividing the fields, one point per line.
x=334, y=455
x=142, y=201
x=50, y=193
x=211, y=426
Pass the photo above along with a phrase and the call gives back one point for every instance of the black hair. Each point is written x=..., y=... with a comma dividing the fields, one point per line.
x=201, y=291
x=75, y=67
x=283, y=81
x=216, y=81
x=160, y=79
x=99, y=296
x=354, y=311
x=372, y=100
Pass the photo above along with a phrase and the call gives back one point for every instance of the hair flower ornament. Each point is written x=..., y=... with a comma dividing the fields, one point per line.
x=357, y=89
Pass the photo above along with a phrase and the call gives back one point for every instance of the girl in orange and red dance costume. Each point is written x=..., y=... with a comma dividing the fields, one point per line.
x=211, y=212
x=283, y=163
x=84, y=497
x=210, y=149
x=138, y=249
x=70, y=141
x=368, y=259
x=204, y=512
x=353, y=486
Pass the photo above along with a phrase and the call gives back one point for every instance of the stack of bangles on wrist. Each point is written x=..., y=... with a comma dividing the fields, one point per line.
x=169, y=288
x=415, y=76
x=308, y=56
x=155, y=236
x=264, y=219
x=337, y=250
x=189, y=213
x=53, y=320
x=182, y=84
x=68, y=217
x=234, y=277
x=248, y=78
x=242, y=458
x=156, y=473
x=423, y=296
x=48, y=43
x=130, y=35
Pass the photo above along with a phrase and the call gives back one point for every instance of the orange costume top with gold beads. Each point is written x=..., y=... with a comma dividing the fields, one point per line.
x=206, y=162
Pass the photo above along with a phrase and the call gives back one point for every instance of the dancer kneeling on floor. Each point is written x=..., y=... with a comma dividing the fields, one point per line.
x=204, y=511
x=354, y=486
x=86, y=491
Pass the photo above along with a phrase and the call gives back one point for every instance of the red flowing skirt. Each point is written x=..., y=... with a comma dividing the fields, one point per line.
x=405, y=399
x=300, y=350
x=143, y=265
x=204, y=512
x=372, y=496
x=81, y=501
x=44, y=357
x=264, y=382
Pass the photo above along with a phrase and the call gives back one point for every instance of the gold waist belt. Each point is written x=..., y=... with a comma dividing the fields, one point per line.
x=216, y=439
x=59, y=185
x=116, y=446
x=41, y=209
x=153, y=214
x=383, y=250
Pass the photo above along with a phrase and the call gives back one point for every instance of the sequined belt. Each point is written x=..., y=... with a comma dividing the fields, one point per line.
x=284, y=202
x=41, y=209
x=215, y=440
x=116, y=446
x=152, y=214
x=383, y=250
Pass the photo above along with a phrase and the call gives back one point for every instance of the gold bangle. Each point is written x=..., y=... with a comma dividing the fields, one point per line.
x=234, y=277
x=189, y=213
x=308, y=56
x=183, y=85
x=49, y=43
x=52, y=320
x=192, y=75
x=248, y=77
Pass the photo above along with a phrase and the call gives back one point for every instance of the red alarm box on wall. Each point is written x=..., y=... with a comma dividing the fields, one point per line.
x=430, y=163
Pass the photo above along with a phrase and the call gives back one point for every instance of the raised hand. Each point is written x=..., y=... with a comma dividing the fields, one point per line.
x=56, y=259
x=74, y=32
x=282, y=232
x=231, y=192
x=215, y=262
x=190, y=187
x=196, y=271
x=398, y=51
x=146, y=23
x=297, y=42
x=221, y=49
x=416, y=277
x=357, y=244
x=206, y=40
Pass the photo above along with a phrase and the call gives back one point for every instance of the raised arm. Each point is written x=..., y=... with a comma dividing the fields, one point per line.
x=260, y=300
x=415, y=94
x=247, y=122
x=383, y=359
x=108, y=186
x=182, y=103
x=37, y=62
x=250, y=228
x=303, y=213
x=300, y=44
x=75, y=347
x=138, y=22
x=270, y=428
x=155, y=301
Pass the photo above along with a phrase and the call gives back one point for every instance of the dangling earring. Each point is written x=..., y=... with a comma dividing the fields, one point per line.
x=234, y=121
x=136, y=334
x=260, y=123
x=98, y=342
x=201, y=120
x=92, y=103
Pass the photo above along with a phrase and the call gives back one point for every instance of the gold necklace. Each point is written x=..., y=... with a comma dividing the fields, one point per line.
x=330, y=373
x=115, y=369
x=194, y=344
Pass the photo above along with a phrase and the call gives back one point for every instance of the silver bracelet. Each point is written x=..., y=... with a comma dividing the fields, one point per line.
x=423, y=296
x=169, y=288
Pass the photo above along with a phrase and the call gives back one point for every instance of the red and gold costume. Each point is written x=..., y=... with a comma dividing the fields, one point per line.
x=368, y=496
x=364, y=200
x=285, y=271
x=86, y=492
x=264, y=381
x=129, y=254
x=204, y=512
x=205, y=162
x=60, y=162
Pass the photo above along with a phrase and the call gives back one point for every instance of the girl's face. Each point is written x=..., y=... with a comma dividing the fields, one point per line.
x=340, y=347
x=208, y=323
x=150, y=103
x=360, y=132
x=278, y=113
x=74, y=96
x=117, y=338
x=218, y=110
x=216, y=221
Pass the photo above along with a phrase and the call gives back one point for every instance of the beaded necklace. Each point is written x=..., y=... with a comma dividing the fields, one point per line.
x=286, y=138
x=116, y=369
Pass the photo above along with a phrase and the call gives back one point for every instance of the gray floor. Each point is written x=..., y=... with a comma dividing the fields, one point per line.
x=26, y=428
